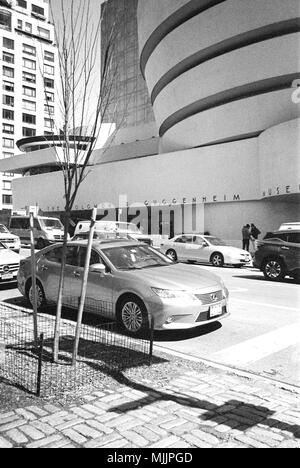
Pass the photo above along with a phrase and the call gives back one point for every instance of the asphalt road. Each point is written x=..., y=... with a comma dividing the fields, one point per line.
x=261, y=335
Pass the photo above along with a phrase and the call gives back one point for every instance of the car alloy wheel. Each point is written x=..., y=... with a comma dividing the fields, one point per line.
x=40, y=296
x=273, y=270
x=172, y=255
x=217, y=260
x=132, y=315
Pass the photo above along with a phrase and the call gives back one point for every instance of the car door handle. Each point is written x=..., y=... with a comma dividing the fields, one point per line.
x=285, y=248
x=76, y=274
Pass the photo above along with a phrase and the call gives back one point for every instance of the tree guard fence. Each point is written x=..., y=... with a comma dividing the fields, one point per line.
x=102, y=349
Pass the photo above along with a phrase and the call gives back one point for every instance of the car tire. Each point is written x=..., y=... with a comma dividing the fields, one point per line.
x=132, y=315
x=273, y=269
x=217, y=259
x=172, y=255
x=41, y=298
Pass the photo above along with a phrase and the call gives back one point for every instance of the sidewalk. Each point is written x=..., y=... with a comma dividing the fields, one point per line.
x=211, y=409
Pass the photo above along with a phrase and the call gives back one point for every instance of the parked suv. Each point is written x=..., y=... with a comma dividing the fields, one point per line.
x=278, y=255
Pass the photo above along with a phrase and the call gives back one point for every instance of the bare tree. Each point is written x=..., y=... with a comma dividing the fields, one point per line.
x=85, y=89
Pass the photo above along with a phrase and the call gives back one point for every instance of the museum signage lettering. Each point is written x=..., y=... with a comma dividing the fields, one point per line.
x=163, y=202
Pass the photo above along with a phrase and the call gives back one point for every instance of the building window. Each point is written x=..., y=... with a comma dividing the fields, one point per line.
x=49, y=69
x=8, y=100
x=20, y=24
x=8, y=143
x=29, y=64
x=38, y=10
x=28, y=49
x=44, y=33
x=5, y=20
x=28, y=132
x=7, y=128
x=9, y=72
x=29, y=119
x=6, y=184
x=49, y=83
x=29, y=105
x=31, y=92
x=8, y=43
x=49, y=96
x=29, y=77
x=48, y=56
x=22, y=4
x=49, y=123
x=28, y=28
x=7, y=57
x=7, y=114
x=49, y=109
x=7, y=199
x=8, y=86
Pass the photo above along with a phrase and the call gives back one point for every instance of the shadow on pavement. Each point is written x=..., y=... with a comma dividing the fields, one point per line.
x=245, y=414
x=262, y=278
x=186, y=334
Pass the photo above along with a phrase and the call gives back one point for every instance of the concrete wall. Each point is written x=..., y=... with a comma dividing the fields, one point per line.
x=219, y=70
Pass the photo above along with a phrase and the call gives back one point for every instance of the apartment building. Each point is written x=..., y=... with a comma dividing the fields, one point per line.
x=28, y=72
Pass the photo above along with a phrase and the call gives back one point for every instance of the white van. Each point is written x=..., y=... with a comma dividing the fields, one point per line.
x=119, y=227
x=290, y=226
x=46, y=230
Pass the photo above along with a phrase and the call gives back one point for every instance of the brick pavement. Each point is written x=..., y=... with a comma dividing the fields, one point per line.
x=211, y=409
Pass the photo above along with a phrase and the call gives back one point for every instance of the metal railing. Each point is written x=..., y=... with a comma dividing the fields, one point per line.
x=102, y=349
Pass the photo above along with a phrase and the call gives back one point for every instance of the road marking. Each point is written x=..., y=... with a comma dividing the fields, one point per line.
x=260, y=347
x=265, y=304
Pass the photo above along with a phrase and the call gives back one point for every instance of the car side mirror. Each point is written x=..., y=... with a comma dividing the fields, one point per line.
x=204, y=244
x=98, y=268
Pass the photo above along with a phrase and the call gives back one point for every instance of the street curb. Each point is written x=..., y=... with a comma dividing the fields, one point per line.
x=235, y=370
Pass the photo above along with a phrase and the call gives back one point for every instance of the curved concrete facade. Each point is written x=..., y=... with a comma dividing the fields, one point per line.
x=213, y=70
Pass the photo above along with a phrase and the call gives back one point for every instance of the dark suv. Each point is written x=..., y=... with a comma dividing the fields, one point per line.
x=278, y=255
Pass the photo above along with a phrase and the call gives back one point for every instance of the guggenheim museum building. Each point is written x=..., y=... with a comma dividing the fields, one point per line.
x=211, y=138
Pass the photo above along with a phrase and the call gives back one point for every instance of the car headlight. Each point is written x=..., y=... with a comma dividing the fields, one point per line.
x=224, y=290
x=171, y=294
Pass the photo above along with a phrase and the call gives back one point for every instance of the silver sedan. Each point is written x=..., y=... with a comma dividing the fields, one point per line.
x=131, y=282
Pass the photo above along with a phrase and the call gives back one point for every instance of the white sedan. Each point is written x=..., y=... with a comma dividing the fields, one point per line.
x=206, y=249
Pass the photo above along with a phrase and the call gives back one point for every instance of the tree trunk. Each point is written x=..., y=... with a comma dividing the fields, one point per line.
x=61, y=287
x=84, y=285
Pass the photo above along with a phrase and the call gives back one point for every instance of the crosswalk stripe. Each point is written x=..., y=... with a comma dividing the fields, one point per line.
x=257, y=348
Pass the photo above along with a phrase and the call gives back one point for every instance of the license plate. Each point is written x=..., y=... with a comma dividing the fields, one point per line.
x=7, y=276
x=215, y=310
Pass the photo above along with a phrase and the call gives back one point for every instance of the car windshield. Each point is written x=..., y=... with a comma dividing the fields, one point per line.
x=215, y=240
x=3, y=228
x=135, y=257
x=51, y=223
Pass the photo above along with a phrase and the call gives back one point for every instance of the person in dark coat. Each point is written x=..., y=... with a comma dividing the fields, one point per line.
x=254, y=231
x=246, y=237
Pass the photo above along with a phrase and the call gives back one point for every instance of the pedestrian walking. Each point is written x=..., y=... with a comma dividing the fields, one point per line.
x=254, y=231
x=246, y=237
